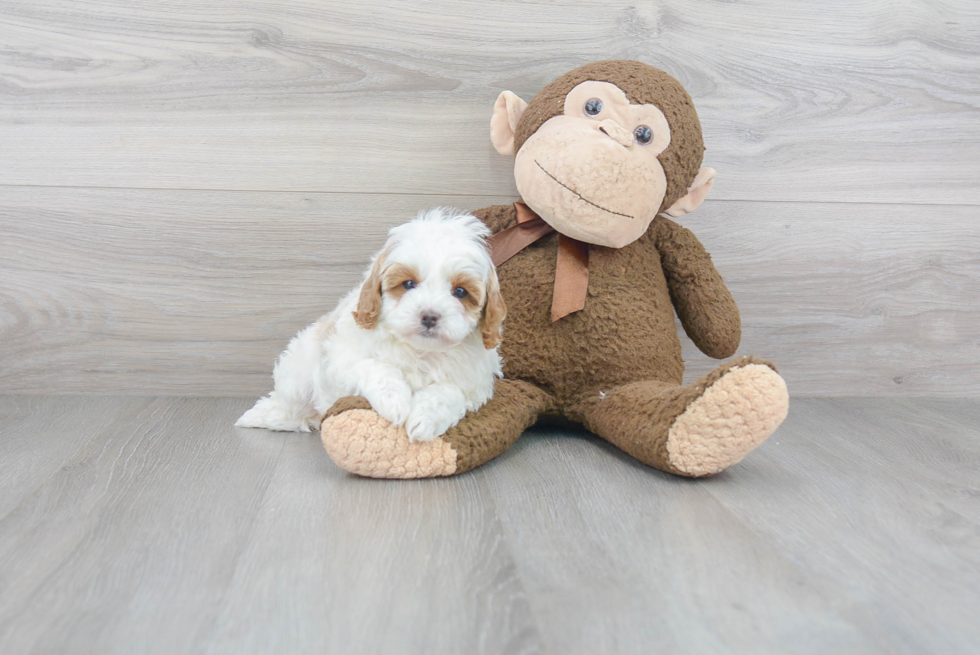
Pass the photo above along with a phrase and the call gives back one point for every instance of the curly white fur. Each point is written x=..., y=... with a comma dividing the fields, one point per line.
x=423, y=362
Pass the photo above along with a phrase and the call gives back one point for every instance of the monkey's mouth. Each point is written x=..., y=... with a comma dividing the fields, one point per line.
x=579, y=195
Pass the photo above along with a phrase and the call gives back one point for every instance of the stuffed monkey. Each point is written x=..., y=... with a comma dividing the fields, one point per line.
x=592, y=272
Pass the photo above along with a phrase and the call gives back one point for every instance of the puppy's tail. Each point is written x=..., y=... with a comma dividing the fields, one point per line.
x=272, y=414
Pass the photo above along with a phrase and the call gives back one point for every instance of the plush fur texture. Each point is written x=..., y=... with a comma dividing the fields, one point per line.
x=364, y=443
x=727, y=420
x=615, y=366
x=643, y=84
x=418, y=339
x=626, y=331
x=579, y=171
x=360, y=441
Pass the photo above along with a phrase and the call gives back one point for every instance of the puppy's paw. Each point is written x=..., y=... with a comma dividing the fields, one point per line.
x=434, y=410
x=393, y=404
x=424, y=427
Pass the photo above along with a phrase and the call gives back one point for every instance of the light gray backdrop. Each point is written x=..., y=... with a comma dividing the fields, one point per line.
x=183, y=185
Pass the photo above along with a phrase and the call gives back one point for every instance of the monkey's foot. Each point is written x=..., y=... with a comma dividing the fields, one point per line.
x=735, y=413
x=358, y=440
x=362, y=442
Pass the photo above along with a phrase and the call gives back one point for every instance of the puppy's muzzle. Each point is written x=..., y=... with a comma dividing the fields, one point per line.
x=430, y=320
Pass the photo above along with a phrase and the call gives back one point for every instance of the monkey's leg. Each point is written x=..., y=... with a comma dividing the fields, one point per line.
x=360, y=441
x=693, y=431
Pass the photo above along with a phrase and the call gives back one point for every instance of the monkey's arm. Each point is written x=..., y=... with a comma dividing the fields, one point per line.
x=703, y=303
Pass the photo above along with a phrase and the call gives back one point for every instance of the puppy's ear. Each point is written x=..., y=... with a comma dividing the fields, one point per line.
x=494, y=312
x=369, y=302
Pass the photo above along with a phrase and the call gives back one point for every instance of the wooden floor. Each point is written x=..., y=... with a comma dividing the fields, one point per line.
x=151, y=525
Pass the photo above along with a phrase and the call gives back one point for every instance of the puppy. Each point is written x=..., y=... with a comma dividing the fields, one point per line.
x=418, y=340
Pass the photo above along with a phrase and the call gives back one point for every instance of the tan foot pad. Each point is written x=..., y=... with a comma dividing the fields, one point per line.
x=362, y=442
x=731, y=418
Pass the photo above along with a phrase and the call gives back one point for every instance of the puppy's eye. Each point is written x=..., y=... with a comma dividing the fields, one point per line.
x=408, y=285
x=593, y=106
x=643, y=135
x=460, y=292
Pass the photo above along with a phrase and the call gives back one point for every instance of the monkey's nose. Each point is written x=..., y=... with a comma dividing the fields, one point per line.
x=614, y=131
x=429, y=320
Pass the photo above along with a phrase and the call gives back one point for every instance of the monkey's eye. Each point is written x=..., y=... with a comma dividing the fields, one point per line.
x=408, y=285
x=593, y=106
x=643, y=135
x=460, y=292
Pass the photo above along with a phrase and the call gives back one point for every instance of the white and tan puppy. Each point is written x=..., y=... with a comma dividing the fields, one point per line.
x=418, y=340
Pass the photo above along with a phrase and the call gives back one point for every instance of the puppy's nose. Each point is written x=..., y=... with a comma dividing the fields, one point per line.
x=429, y=320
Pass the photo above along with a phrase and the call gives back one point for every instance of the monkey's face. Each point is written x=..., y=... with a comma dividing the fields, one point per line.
x=592, y=172
x=597, y=167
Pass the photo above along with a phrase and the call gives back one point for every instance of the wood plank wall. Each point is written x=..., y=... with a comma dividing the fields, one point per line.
x=184, y=184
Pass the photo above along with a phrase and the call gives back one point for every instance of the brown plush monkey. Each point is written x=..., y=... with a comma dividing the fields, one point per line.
x=592, y=275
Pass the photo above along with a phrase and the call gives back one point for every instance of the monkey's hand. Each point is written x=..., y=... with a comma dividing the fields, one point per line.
x=702, y=301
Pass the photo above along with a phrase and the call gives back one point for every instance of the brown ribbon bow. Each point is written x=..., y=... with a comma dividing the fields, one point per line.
x=571, y=269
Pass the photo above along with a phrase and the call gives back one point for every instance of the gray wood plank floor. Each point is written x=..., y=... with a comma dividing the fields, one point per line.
x=151, y=525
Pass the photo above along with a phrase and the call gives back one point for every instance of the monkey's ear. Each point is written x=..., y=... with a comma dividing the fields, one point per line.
x=507, y=112
x=696, y=193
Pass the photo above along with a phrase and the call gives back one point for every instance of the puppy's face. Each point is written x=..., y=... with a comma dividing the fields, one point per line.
x=434, y=284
